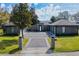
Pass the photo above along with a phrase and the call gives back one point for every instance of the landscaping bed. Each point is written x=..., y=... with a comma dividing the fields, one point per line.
x=66, y=44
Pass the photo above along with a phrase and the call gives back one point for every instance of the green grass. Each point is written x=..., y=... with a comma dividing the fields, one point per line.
x=9, y=44
x=66, y=43
x=25, y=41
x=49, y=40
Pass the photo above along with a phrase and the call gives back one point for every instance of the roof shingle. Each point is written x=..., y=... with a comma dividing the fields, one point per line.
x=64, y=23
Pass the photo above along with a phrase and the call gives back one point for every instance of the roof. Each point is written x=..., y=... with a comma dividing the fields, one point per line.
x=64, y=23
x=44, y=23
x=8, y=24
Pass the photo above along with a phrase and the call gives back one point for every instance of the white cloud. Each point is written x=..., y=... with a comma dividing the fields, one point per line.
x=29, y=4
x=47, y=12
x=2, y=5
x=9, y=8
x=73, y=11
x=57, y=7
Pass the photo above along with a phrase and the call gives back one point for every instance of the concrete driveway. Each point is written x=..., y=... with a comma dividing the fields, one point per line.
x=35, y=34
x=38, y=43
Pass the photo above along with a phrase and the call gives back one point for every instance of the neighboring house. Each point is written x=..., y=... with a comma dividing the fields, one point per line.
x=10, y=29
x=60, y=27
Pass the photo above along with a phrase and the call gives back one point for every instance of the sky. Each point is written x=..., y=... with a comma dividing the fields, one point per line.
x=46, y=10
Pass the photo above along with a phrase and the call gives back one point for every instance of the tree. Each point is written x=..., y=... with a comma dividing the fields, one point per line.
x=53, y=19
x=21, y=16
x=34, y=16
x=4, y=16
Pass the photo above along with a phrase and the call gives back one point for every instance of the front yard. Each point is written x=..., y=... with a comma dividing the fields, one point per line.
x=9, y=44
x=66, y=43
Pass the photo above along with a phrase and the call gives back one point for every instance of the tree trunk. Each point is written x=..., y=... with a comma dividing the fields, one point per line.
x=22, y=33
x=21, y=39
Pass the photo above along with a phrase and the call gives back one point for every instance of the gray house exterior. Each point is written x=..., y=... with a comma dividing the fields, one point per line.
x=60, y=27
x=64, y=27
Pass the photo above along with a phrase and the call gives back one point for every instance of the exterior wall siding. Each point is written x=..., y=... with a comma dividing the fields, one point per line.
x=52, y=29
x=59, y=30
x=69, y=30
x=37, y=28
x=11, y=31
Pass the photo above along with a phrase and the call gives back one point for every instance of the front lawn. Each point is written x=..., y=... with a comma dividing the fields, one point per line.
x=66, y=43
x=9, y=44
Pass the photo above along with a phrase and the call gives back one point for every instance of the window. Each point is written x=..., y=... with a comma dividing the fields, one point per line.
x=12, y=29
x=40, y=28
x=63, y=29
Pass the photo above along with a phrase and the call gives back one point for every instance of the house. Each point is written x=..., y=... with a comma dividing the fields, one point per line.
x=64, y=27
x=10, y=29
x=60, y=27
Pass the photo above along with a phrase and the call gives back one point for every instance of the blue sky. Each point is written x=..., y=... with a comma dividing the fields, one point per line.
x=63, y=5
x=46, y=10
